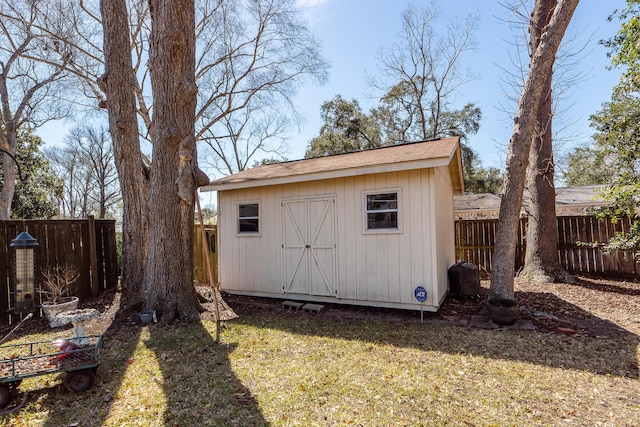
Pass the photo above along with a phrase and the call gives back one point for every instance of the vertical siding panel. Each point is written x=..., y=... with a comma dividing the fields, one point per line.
x=346, y=201
x=229, y=249
x=404, y=239
x=269, y=242
x=277, y=272
x=392, y=252
x=415, y=224
x=383, y=253
x=371, y=278
x=432, y=253
x=393, y=281
x=441, y=246
x=244, y=259
x=360, y=241
x=253, y=260
x=393, y=248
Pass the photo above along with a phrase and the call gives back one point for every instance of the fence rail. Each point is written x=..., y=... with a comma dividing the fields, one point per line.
x=475, y=240
x=86, y=244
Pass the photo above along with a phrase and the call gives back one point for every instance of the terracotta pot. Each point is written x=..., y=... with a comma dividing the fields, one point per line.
x=52, y=310
x=503, y=311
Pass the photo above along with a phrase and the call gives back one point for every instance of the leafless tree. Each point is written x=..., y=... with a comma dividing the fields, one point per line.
x=252, y=56
x=121, y=87
x=32, y=77
x=422, y=73
x=541, y=263
x=68, y=164
x=86, y=164
x=244, y=136
x=525, y=120
x=96, y=146
x=541, y=259
x=168, y=281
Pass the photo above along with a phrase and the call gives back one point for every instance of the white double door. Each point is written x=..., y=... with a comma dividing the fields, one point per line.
x=309, y=245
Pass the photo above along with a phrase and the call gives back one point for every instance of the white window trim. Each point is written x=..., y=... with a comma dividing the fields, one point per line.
x=400, y=210
x=237, y=219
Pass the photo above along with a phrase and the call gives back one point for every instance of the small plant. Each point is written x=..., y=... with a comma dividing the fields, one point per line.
x=57, y=282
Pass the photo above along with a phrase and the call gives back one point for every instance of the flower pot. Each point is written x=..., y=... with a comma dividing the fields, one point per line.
x=147, y=317
x=503, y=311
x=51, y=310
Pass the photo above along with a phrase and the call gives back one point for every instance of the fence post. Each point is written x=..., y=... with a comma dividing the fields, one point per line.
x=93, y=257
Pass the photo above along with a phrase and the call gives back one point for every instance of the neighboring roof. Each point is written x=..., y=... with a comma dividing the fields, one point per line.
x=417, y=155
x=565, y=196
x=588, y=195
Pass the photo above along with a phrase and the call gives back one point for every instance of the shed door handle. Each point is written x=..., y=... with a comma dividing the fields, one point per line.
x=307, y=246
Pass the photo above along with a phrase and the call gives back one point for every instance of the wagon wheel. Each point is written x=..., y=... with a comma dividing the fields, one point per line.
x=5, y=395
x=13, y=385
x=79, y=380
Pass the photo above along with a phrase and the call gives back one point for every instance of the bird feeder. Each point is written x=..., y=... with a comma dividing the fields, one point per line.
x=24, y=287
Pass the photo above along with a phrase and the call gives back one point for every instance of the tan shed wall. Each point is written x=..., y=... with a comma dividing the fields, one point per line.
x=372, y=269
x=445, y=228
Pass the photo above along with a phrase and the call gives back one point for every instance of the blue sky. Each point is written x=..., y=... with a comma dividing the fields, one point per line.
x=352, y=31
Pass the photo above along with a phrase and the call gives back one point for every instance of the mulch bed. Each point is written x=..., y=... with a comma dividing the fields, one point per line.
x=592, y=306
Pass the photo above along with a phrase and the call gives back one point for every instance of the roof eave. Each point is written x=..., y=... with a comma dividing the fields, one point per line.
x=342, y=173
x=455, y=169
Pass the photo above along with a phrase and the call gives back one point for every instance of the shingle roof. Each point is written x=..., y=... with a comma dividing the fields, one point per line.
x=565, y=196
x=440, y=152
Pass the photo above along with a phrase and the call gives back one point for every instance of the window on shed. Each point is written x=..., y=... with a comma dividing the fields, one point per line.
x=248, y=218
x=382, y=211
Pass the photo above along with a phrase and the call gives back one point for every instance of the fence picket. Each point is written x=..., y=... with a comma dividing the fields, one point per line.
x=61, y=242
x=477, y=247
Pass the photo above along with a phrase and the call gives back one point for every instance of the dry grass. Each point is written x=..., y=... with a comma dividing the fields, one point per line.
x=276, y=368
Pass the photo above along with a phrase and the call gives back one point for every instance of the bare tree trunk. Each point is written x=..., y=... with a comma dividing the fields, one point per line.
x=540, y=70
x=541, y=260
x=118, y=83
x=8, y=183
x=169, y=269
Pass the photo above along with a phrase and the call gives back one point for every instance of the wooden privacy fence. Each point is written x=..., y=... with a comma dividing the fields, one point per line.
x=199, y=261
x=86, y=244
x=475, y=240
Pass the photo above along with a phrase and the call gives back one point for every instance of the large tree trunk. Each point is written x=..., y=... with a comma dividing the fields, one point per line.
x=525, y=120
x=169, y=269
x=8, y=146
x=118, y=83
x=541, y=260
x=8, y=185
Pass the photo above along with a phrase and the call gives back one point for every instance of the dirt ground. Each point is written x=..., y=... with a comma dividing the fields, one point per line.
x=592, y=306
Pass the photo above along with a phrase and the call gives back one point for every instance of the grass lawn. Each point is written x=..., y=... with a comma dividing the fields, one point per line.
x=271, y=367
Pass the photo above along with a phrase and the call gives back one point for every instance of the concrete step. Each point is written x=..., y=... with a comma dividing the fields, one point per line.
x=292, y=305
x=313, y=308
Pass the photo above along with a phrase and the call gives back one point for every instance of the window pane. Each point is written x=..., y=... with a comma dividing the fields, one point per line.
x=376, y=202
x=382, y=210
x=248, y=219
x=382, y=220
x=248, y=225
x=248, y=210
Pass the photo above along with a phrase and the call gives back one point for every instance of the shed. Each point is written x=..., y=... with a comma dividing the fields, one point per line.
x=363, y=228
